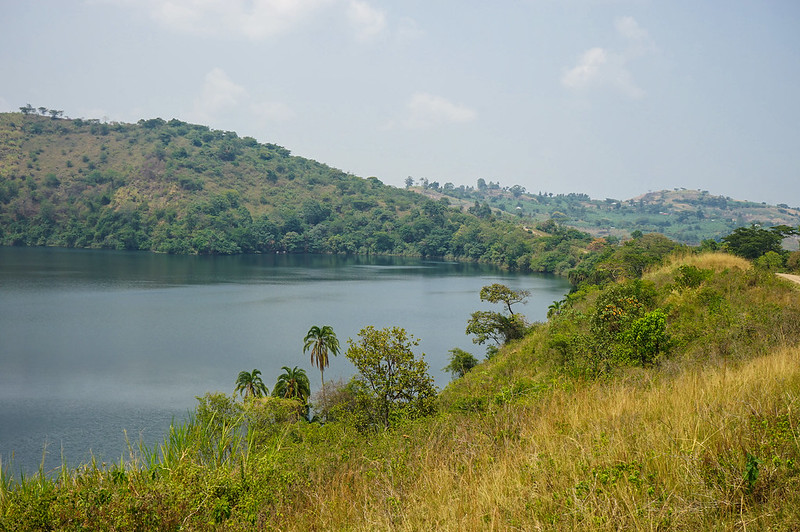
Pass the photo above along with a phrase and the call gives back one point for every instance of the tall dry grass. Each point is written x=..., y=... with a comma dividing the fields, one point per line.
x=716, y=261
x=651, y=452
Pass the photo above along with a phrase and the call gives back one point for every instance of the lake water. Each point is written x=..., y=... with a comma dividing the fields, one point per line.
x=96, y=343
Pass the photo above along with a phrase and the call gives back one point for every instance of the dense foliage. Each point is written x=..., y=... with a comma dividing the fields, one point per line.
x=753, y=242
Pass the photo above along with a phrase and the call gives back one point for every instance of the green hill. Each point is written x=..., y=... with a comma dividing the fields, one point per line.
x=175, y=187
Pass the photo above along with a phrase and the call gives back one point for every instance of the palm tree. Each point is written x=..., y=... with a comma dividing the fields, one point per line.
x=555, y=308
x=292, y=384
x=321, y=341
x=250, y=384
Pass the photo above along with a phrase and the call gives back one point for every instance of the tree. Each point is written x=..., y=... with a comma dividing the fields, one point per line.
x=481, y=210
x=488, y=325
x=27, y=109
x=395, y=384
x=770, y=261
x=647, y=336
x=292, y=384
x=55, y=113
x=501, y=328
x=497, y=293
x=460, y=362
x=321, y=341
x=556, y=307
x=753, y=242
x=630, y=260
x=409, y=182
x=250, y=384
x=42, y=111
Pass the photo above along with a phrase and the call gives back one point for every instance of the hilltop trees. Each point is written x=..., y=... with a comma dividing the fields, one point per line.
x=28, y=109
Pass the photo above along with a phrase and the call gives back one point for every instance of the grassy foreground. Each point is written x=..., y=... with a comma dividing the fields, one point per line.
x=706, y=438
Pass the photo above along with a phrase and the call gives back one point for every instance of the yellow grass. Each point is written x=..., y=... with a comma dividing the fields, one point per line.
x=716, y=261
x=666, y=453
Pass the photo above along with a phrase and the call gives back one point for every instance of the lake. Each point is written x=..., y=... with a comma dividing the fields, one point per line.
x=94, y=344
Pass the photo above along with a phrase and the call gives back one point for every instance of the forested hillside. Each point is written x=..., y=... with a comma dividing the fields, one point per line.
x=174, y=187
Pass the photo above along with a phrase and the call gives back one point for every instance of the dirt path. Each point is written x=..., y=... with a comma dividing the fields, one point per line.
x=795, y=278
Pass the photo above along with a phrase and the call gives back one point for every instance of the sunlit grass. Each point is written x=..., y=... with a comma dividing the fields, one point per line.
x=663, y=453
x=716, y=261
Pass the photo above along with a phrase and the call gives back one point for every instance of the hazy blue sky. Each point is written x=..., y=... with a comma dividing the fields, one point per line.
x=608, y=97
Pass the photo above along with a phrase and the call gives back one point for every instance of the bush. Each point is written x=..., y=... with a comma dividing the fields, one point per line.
x=460, y=362
x=689, y=276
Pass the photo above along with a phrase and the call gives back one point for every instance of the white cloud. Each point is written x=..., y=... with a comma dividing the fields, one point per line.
x=603, y=68
x=219, y=93
x=599, y=68
x=367, y=21
x=273, y=111
x=426, y=110
x=638, y=39
x=587, y=70
x=629, y=28
x=253, y=19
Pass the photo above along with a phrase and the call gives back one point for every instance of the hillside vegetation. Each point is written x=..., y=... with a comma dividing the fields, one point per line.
x=666, y=400
x=686, y=216
x=175, y=187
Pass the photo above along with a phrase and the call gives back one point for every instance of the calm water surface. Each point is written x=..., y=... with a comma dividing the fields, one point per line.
x=97, y=343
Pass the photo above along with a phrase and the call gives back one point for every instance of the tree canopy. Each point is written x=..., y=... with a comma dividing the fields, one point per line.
x=292, y=384
x=496, y=326
x=321, y=341
x=250, y=384
x=499, y=293
x=754, y=241
x=394, y=383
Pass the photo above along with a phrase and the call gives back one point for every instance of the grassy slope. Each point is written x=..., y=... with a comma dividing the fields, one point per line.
x=707, y=440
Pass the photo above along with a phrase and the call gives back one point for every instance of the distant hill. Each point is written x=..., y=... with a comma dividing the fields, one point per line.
x=687, y=216
x=174, y=187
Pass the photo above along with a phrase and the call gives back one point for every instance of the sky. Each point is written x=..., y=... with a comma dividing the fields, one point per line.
x=612, y=98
